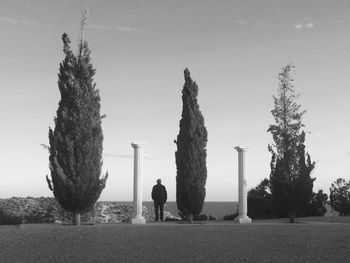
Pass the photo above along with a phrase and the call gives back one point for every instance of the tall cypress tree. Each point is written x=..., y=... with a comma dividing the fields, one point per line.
x=76, y=141
x=191, y=153
x=290, y=181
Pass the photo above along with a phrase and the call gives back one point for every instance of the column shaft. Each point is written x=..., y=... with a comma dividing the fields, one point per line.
x=138, y=159
x=242, y=188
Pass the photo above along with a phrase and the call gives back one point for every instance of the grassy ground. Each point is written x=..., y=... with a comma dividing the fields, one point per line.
x=311, y=219
x=263, y=241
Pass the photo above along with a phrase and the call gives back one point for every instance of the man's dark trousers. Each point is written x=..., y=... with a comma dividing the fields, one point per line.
x=157, y=207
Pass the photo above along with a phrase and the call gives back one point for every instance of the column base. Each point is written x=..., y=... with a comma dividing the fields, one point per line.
x=138, y=220
x=243, y=220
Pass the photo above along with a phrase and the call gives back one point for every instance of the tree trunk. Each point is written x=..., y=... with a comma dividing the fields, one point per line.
x=76, y=218
x=190, y=218
x=292, y=216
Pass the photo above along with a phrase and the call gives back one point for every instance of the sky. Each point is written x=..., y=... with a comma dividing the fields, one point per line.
x=234, y=50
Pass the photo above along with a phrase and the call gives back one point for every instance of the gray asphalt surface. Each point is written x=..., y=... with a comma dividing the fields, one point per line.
x=173, y=242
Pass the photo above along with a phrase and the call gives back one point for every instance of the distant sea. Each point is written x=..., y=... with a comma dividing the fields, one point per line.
x=217, y=209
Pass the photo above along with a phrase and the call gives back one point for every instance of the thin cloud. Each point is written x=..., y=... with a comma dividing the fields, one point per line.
x=310, y=25
x=303, y=26
x=345, y=130
x=15, y=21
x=298, y=26
x=8, y=60
x=241, y=22
x=340, y=131
x=117, y=28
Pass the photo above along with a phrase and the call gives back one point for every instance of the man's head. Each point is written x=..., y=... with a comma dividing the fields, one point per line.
x=159, y=181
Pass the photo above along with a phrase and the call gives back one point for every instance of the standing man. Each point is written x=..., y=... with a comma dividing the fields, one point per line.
x=159, y=196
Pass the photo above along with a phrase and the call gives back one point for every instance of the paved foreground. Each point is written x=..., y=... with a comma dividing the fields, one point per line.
x=172, y=242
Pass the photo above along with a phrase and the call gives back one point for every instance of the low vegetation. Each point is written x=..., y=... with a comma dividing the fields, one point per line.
x=19, y=210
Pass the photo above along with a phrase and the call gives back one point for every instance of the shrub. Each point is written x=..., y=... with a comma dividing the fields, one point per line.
x=260, y=205
x=231, y=216
x=201, y=217
x=7, y=218
x=210, y=217
x=37, y=216
x=171, y=219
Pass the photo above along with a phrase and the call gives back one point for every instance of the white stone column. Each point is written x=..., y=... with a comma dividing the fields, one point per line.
x=138, y=158
x=242, y=183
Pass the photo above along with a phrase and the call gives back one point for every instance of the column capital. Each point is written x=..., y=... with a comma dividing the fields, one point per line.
x=241, y=148
x=138, y=144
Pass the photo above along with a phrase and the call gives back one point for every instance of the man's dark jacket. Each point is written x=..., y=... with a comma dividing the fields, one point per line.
x=159, y=194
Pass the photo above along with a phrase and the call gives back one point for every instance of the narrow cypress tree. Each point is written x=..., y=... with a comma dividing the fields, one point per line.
x=76, y=142
x=290, y=181
x=191, y=153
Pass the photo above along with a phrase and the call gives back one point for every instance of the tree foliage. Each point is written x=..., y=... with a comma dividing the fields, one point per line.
x=290, y=181
x=76, y=141
x=191, y=153
x=317, y=206
x=340, y=196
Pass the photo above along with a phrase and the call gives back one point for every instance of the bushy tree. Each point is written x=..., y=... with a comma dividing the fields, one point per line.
x=260, y=203
x=290, y=181
x=340, y=196
x=317, y=206
x=76, y=141
x=191, y=153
